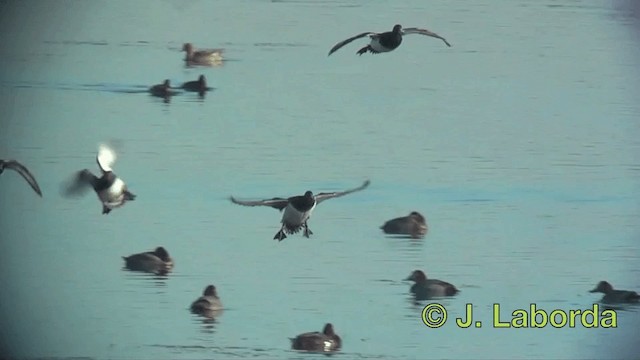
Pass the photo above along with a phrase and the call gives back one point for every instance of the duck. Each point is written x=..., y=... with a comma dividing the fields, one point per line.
x=325, y=341
x=413, y=225
x=612, y=296
x=425, y=289
x=23, y=171
x=386, y=41
x=162, y=90
x=209, y=304
x=203, y=56
x=297, y=209
x=157, y=262
x=199, y=86
x=112, y=191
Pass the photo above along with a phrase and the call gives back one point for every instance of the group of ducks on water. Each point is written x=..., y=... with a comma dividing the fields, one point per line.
x=193, y=57
x=378, y=43
x=296, y=210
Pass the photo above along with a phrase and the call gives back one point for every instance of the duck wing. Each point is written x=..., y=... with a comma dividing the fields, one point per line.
x=79, y=183
x=25, y=173
x=345, y=42
x=426, y=32
x=276, y=203
x=106, y=158
x=329, y=195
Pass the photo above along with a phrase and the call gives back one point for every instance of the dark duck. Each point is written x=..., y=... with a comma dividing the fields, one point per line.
x=297, y=209
x=386, y=41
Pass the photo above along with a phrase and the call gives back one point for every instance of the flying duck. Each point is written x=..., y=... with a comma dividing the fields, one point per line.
x=297, y=209
x=413, y=225
x=23, y=171
x=612, y=296
x=111, y=190
x=325, y=341
x=386, y=41
x=157, y=262
x=208, y=304
x=425, y=289
x=202, y=57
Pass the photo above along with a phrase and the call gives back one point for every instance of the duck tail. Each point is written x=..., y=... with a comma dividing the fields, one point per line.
x=129, y=196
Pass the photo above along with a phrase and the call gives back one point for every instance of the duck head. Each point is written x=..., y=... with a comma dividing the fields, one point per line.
x=162, y=253
x=417, y=276
x=210, y=291
x=603, y=287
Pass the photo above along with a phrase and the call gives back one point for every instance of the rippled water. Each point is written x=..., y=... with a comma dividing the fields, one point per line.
x=519, y=144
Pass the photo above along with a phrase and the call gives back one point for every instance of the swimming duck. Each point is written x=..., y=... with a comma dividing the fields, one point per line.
x=413, y=225
x=111, y=190
x=157, y=262
x=162, y=90
x=208, y=304
x=612, y=296
x=297, y=209
x=202, y=57
x=23, y=171
x=386, y=41
x=425, y=289
x=325, y=341
x=199, y=86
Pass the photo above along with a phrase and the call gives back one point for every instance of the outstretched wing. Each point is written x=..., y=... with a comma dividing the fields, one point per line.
x=25, y=173
x=324, y=196
x=276, y=203
x=106, y=158
x=426, y=32
x=79, y=183
x=345, y=42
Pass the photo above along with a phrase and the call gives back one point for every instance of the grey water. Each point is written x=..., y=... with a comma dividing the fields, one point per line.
x=519, y=144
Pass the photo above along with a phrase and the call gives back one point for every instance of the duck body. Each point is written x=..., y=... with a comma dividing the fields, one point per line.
x=157, y=262
x=325, y=341
x=426, y=289
x=612, y=296
x=205, y=57
x=209, y=304
x=413, y=225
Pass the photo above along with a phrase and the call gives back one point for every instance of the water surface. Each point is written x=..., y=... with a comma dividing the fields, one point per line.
x=519, y=144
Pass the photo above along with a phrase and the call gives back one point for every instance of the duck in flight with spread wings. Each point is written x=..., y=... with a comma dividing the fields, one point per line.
x=111, y=190
x=386, y=41
x=23, y=171
x=297, y=209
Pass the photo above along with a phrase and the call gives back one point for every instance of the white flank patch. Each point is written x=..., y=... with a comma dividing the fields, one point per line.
x=294, y=217
x=327, y=345
x=375, y=44
x=117, y=188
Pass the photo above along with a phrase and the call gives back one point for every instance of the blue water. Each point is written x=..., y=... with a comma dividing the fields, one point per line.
x=519, y=144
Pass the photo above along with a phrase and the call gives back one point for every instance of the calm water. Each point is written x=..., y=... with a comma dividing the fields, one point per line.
x=519, y=143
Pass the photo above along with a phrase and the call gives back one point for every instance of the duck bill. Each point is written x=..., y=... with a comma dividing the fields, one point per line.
x=594, y=290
